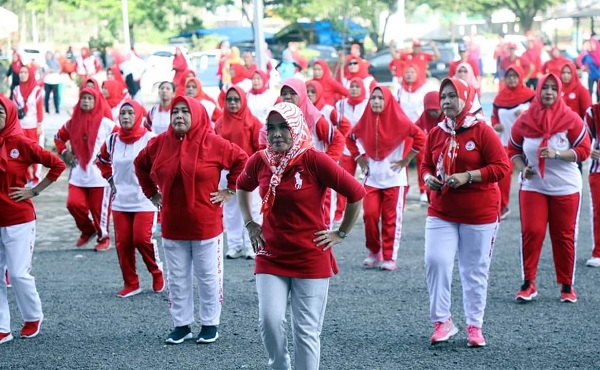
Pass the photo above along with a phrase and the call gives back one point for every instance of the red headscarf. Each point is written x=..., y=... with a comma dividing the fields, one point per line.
x=431, y=101
x=469, y=116
x=311, y=113
x=85, y=52
x=179, y=61
x=116, y=92
x=381, y=133
x=541, y=121
x=118, y=75
x=92, y=80
x=180, y=81
x=507, y=97
x=12, y=127
x=279, y=162
x=319, y=100
x=265, y=82
x=574, y=84
x=27, y=87
x=363, y=68
x=17, y=64
x=179, y=154
x=412, y=87
x=130, y=136
x=354, y=101
x=84, y=126
x=236, y=127
x=200, y=94
x=105, y=107
x=240, y=73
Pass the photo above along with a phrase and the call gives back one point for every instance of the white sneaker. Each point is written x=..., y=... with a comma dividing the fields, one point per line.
x=593, y=262
x=423, y=198
x=234, y=253
x=250, y=255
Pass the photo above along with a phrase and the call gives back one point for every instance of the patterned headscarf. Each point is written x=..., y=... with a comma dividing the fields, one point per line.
x=279, y=162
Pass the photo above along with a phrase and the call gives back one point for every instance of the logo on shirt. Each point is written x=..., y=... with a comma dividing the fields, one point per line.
x=14, y=154
x=470, y=146
x=298, y=180
x=572, y=95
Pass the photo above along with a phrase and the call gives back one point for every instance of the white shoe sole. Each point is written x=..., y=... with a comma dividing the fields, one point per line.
x=475, y=345
x=7, y=338
x=130, y=294
x=205, y=341
x=592, y=263
x=173, y=341
x=526, y=299
x=450, y=334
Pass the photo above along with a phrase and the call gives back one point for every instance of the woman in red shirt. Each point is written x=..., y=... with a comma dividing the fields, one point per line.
x=183, y=166
x=293, y=245
x=464, y=159
x=575, y=94
x=332, y=89
x=17, y=224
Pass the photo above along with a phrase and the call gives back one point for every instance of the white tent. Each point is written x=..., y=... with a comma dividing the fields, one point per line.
x=9, y=24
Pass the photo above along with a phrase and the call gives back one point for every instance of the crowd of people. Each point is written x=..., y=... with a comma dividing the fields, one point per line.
x=271, y=173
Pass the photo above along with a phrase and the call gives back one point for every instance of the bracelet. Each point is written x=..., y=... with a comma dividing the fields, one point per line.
x=248, y=223
x=230, y=191
x=470, y=181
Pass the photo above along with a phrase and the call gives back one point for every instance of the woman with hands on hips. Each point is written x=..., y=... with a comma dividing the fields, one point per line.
x=185, y=163
x=293, y=246
x=464, y=159
x=546, y=142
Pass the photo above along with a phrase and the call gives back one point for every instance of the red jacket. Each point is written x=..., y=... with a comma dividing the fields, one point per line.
x=22, y=153
x=297, y=213
x=479, y=148
x=206, y=219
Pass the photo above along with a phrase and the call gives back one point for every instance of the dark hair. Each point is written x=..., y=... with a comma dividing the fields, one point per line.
x=167, y=82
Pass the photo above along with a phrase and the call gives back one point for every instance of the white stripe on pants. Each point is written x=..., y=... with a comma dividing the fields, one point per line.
x=184, y=259
x=16, y=251
x=308, y=300
x=475, y=244
x=236, y=234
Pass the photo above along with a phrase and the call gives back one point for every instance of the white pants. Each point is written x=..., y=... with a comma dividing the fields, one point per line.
x=184, y=259
x=235, y=232
x=308, y=300
x=474, y=244
x=16, y=251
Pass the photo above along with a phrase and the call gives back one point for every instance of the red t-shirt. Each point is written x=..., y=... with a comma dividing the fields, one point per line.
x=479, y=148
x=421, y=60
x=206, y=220
x=297, y=214
x=22, y=152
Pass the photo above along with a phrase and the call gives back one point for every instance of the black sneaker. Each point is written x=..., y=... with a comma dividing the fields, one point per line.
x=208, y=334
x=179, y=334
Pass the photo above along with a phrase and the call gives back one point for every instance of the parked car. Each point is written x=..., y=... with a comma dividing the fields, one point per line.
x=379, y=63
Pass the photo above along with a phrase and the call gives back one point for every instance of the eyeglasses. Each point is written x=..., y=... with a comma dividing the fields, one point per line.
x=353, y=63
x=233, y=100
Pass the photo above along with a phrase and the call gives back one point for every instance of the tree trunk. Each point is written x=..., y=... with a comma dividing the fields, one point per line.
x=381, y=43
x=525, y=22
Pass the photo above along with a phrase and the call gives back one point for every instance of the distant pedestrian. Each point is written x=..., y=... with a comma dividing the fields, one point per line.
x=158, y=119
x=13, y=72
x=52, y=81
x=17, y=224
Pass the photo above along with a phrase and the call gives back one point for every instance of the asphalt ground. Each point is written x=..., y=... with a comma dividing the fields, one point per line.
x=374, y=320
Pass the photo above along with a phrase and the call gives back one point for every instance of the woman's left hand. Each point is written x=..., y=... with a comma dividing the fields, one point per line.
x=19, y=194
x=399, y=165
x=457, y=180
x=547, y=152
x=220, y=196
x=327, y=238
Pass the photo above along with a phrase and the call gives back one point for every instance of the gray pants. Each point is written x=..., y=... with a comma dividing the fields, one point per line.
x=308, y=300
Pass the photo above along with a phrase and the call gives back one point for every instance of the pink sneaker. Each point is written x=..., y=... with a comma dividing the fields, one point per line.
x=388, y=265
x=475, y=337
x=443, y=331
x=374, y=260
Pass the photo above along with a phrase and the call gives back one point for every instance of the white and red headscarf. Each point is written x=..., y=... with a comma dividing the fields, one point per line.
x=469, y=116
x=12, y=127
x=279, y=162
x=541, y=121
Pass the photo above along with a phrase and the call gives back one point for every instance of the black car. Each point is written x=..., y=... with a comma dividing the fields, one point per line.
x=379, y=67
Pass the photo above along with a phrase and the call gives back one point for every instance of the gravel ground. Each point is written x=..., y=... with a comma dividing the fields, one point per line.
x=374, y=320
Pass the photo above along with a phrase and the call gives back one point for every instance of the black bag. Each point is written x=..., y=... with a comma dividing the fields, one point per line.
x=20, y=113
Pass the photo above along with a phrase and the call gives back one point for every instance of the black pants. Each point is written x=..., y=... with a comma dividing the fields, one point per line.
x=591, y=83
x=48, y=88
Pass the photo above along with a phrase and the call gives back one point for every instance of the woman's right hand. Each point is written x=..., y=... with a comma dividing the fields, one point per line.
x=364, y=165
x=69, y=158
x=157, y=200
x=595, y=154
x=528, y=172
x=499, y=128
x=434, y=183
x=256, y=236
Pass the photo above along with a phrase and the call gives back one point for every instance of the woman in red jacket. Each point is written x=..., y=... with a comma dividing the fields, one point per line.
x=240, y=127
x=575, y=94
x=463, y=161
x=17, y=224
x=332, y=89
x=183, y=166
x=431, y=116
x=546, y=142
x=293, y=245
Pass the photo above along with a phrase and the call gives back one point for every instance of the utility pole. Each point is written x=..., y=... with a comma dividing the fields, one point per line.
x=126, y=36
x=259, y=35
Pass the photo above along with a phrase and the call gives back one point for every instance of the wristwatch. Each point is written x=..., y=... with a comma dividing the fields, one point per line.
x=230, y=191
x=557, y=155
x=342, y=234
